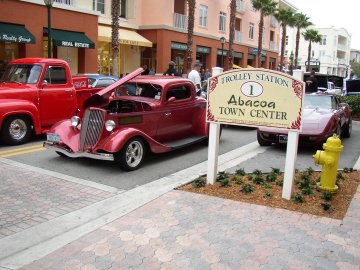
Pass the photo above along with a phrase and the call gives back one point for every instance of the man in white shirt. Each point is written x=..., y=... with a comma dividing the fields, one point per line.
x=195, y=77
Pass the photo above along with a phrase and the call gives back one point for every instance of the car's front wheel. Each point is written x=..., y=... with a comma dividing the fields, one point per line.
x=348, y=128
x=261, y=141
x=16, y=129
x=130, y=157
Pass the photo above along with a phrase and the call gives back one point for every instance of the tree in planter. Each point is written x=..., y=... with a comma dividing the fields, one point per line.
x=266, y=8
x=115, y=14
x=232, y=33
x=355, y=67
x=190, y=28
x=301, y=22
x=286, y=18
x=311, y=35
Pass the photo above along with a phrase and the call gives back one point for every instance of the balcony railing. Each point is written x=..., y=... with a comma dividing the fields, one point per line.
x=240, y=6
x=65, y=2
x=238, y=36
x=341, y=61
x=180, y=21
x=272, y=45
x=341, y=47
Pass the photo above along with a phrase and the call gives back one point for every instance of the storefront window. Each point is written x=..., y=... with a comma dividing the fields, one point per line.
x=104, y=59
x=178, y=58
x=8, y=51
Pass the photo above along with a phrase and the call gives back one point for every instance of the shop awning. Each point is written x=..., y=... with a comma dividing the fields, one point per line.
x=128, y=37
x=15, y=33
x=70, y=39
x=236, y=66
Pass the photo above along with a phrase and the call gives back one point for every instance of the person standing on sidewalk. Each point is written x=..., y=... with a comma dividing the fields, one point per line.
x=195, y=77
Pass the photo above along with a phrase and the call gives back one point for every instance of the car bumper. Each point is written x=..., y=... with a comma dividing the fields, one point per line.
x=304, y=140
x=67, y=152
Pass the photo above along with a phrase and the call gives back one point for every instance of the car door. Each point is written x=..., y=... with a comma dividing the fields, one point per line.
x=177, y=117
x=57, y=97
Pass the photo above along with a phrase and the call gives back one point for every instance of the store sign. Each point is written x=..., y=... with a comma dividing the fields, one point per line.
x=256, y=97
x=13, y=38
x=200, y=49
x=75, y=44
x=222, y=52
x=255, y=51
x=178, y=46
x=129, y=42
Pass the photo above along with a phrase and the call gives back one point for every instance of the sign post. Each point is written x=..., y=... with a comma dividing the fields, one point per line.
x=256, y=97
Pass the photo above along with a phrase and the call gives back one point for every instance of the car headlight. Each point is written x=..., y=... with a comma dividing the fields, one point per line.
x=75, y=121
x=109, y=125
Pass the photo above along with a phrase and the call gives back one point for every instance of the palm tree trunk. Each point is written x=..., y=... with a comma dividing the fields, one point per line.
x=309, y=53
x=261, y=29
x=191, y=22
x=232, y=33
x=297, y=47
x=115, y=14
x=282, y=47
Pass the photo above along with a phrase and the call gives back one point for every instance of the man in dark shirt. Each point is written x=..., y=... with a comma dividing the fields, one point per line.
x=311, y=83
x=171, y=71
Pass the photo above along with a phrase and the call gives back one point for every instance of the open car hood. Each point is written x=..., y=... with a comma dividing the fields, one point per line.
x=102, y=97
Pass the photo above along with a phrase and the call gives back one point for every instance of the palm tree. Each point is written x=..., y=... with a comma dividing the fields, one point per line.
x=191, y=22
x=266, y=8
x=115, y=14
x=311, y=35
x=231, y=33
x=301, y=22
x=286, y=18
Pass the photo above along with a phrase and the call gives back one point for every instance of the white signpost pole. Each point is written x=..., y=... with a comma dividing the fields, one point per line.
x=213, y=151
x=291, y=154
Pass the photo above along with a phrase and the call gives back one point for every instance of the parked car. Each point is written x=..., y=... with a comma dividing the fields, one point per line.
x=98, y=81
x=323, y=115
x=136, y=113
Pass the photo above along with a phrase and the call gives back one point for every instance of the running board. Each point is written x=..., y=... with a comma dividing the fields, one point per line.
x=184, y=142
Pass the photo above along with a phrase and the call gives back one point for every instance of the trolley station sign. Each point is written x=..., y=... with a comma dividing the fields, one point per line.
x=256, y=97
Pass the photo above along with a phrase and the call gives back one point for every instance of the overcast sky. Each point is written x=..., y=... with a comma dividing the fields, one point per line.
x=327, y=13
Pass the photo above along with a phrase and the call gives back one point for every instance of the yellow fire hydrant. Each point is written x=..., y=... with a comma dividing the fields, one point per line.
x=330, y=160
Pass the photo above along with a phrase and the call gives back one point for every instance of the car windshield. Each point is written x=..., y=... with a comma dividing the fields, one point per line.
x=318, y=101
x=22, y=74
x=147, y=90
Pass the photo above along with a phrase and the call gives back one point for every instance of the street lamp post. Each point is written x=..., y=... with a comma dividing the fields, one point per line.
x=49, y=4
x=222, y=41
x=291, y=62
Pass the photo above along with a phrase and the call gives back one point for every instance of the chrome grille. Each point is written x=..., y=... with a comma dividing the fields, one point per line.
x=91, y=128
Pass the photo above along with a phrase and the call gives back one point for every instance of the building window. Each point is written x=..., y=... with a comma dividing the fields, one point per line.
x=65, y=2
x=251, y=31
x=321, y=53
x=203, y=15
x=335, y=40
x=222, y=22
x=287, y=40
x=99, y=5
x=323, y=40
x=123, y=6
x=263, y=36
x=252, y=6
x=333, y=56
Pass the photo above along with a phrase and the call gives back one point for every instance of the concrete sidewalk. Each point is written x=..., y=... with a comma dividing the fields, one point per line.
x=52, y=221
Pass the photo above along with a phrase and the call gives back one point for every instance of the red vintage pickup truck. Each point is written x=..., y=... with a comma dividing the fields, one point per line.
x=35, y=93
x=130, y=116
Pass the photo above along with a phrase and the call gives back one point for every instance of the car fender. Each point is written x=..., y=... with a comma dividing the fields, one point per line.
x=18, y=106
x=69, y=135
x=118, y=138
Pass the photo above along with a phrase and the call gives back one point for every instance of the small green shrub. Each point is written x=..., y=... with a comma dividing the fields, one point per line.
x=267, y=186
x=271, y=177
x=304, y=176
x=354, y=102
x=250, y=177
x=326, y=206
x=258, y=180
x=240, y=172
x=308, y=191
x=268, y=194
x=347, y=170
x=238, y=180
x=275, y=170
x=247, y=189
x=279, y=183
x=257, y=172
x=327, y=195
x=222, y=176
x=298, y=198
x=225, y=183
x=339, y=176
x=199, y=182
x=309, y=171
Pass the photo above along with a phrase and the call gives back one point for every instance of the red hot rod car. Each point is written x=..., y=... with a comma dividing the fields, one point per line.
x=136, y=113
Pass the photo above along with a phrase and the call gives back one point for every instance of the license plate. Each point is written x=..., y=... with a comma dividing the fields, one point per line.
x=52, y=137
x=283, y=138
